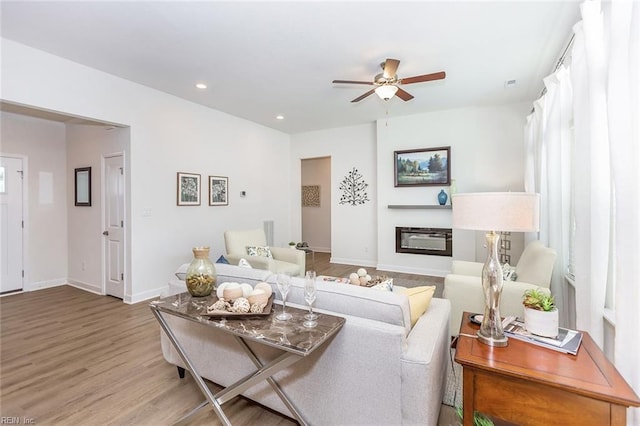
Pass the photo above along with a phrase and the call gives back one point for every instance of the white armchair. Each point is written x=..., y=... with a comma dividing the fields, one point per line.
x=463, y=287
x=284, y=259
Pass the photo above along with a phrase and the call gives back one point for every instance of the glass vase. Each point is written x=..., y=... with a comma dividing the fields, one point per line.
x=201, y=273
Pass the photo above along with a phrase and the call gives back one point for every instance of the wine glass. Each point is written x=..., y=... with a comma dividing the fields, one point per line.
x=310, y=297
x=284, y=282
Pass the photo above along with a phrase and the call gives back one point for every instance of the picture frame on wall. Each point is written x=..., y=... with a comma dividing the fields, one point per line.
x=218, y=191
x=188, y=189
x=422, y=167
x=82, y=180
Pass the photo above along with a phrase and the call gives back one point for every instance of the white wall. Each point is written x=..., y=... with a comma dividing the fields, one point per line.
x=86, y=147
x=42, y=144
x=316, y=221
x=486, y=155
x=353, y=228
x=168, y=135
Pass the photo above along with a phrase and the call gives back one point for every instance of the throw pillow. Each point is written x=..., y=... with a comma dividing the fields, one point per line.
x=244, y=264
x=181, y=272
x=419, y=300
x=259, y=251
x=509, y=273
x=222, y=259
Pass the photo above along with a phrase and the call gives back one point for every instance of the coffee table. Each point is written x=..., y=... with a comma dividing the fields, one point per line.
x=290, y=337
x=530, y=385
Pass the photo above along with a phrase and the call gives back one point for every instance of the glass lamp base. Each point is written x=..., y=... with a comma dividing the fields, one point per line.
x=497, y=341
x=284, y=316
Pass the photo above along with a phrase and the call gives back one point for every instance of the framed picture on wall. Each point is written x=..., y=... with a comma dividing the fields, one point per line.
x=83, y=186
x=422, y=167
x=218, y=191
x=188, y=189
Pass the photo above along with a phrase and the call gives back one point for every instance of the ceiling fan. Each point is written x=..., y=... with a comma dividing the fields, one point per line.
x=387, y=82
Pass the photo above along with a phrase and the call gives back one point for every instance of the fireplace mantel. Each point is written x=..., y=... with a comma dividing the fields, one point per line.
x=419, y=206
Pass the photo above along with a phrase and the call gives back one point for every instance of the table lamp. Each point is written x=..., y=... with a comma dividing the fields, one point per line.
x=491, y=212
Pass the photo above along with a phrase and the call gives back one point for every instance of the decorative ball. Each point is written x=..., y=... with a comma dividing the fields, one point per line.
x=232, y=291
x=363, y=280
x=264, y=287
x=220, y=289
x=354, y=278
x=241, y=305
x=246, y=289
x=257, y=296
x=257, y=308
x=362, y=272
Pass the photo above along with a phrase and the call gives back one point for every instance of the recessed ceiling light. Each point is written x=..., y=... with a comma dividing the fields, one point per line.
x=201, y=86
x=279, y=117
x=510, y=83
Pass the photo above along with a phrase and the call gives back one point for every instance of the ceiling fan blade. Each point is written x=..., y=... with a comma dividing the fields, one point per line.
x=352, y=82
x=405, y=96
x=427, y=77
x=390, y=68
x=361, y=97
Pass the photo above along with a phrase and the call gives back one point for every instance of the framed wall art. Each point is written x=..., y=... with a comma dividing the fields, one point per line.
x=188, y=189
x=218, y=191
x=422, y=167
x=83, y=186
x=311, y=196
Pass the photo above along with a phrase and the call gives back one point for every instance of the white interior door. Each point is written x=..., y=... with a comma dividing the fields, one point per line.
x=11, y=187
x=114, y=226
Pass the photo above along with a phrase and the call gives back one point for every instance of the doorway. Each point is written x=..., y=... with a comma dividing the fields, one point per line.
x=113, y=214
x=11, y=224
x=315, y=177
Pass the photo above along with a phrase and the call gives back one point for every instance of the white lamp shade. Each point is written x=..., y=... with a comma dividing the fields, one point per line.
x=386, y=91
x=497, y=211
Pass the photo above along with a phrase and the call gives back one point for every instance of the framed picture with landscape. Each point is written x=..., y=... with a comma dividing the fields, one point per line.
x=218, y=191
x=422, y=167
x=188, y=189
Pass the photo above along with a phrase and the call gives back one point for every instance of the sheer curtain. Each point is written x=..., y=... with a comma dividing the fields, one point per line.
x=548, y=172
x=602, y=86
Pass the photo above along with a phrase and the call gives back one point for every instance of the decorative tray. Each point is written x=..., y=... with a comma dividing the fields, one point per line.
x=218, y=314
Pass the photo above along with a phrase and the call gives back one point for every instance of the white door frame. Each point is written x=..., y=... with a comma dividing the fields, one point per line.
x=25, y=215
x=126, y=281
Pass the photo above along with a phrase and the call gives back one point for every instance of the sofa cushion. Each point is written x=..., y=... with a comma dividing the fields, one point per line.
x=385, y=306
x=419, y=300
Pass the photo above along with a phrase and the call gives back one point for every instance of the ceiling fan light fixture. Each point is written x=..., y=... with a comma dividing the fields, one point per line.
x=386, y=91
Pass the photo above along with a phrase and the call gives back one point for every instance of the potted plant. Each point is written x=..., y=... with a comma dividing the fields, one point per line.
x=540, y=313
x=292, y=244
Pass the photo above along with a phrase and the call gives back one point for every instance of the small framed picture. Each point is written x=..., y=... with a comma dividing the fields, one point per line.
x=188, y=189
x=83, y=186
x=218, y=191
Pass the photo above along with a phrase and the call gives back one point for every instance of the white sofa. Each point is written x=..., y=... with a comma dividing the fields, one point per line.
x=376, y=370
x=463, y=286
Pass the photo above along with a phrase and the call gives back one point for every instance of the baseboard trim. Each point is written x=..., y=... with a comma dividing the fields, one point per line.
x=415, y=271
x=359, y=262
x=85, y=286
x=145, y=295
x=38, y=285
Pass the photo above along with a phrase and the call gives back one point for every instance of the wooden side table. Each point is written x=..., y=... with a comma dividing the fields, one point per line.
x=529, y=385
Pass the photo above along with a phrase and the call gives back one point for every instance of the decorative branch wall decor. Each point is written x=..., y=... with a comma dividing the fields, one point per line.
x=353, y=189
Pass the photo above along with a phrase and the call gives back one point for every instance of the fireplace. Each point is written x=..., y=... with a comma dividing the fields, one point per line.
x=431, y=241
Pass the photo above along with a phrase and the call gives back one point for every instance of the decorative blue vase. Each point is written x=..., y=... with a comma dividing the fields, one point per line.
x=442, y=197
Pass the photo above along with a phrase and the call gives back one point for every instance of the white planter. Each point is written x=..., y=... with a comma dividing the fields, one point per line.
x=540, y=322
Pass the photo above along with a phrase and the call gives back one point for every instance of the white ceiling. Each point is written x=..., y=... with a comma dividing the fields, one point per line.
x=261, y=59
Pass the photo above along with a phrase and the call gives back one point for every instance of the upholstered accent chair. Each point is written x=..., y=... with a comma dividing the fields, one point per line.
x=239, y=244
x=463, y=286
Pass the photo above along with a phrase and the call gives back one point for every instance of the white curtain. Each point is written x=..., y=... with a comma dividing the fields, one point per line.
x=602, y=87
x=549, y=137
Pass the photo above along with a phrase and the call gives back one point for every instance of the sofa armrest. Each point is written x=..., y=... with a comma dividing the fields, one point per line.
x=289, y=255
x=462, y=267
x=466, y=294
x=424, y=365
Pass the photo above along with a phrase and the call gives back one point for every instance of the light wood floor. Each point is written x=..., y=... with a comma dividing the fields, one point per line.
x=69, y=357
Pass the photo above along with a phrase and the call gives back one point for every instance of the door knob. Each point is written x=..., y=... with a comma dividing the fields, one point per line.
x=105, y=233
